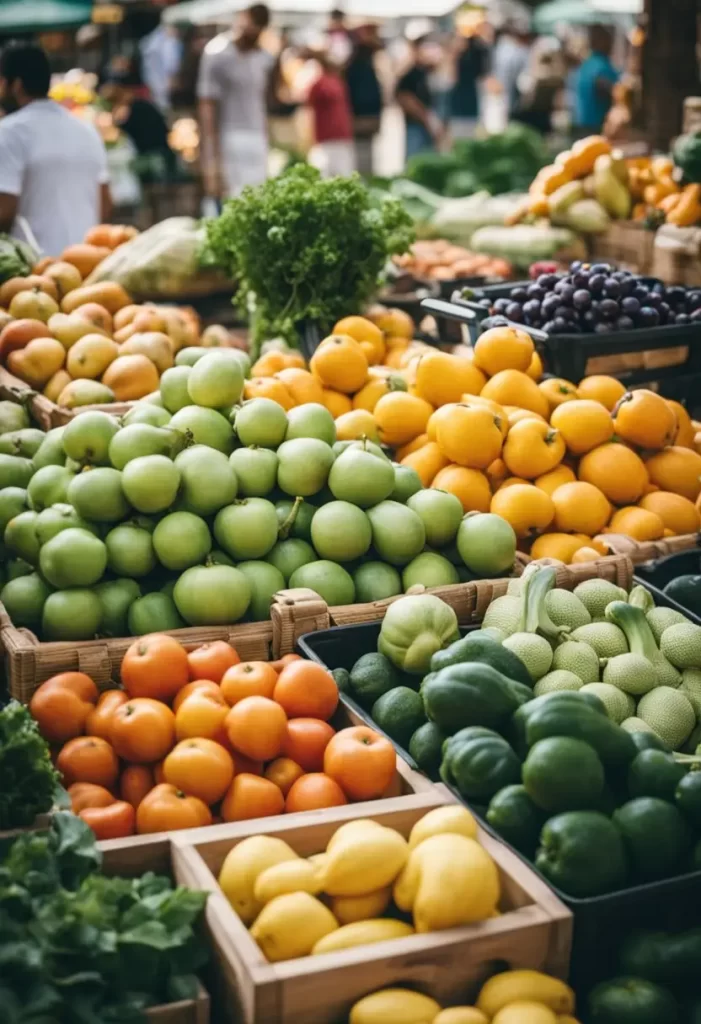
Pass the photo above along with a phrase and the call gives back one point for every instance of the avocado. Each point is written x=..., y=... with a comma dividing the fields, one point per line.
x=426, y=747
x=654, y=773
x=399, y=712
x=630, y=1000
x=671, y=960
x=686, y=591
x=371, y=677
x=656, y=837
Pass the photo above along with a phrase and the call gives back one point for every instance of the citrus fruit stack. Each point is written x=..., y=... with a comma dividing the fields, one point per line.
x=197, y=737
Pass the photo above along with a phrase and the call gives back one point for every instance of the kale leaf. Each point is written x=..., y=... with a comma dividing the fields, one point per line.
x=29, y=780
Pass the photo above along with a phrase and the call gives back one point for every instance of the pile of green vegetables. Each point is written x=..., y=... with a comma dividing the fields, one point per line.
x=659, y=981
x=29, y=780
x=687, y=156
x=556, y=721
x=304, y=248
x=16, y=258
x=506, y=162
x=78, y=947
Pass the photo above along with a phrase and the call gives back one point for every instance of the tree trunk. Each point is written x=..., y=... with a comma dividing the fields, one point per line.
x=670, y=69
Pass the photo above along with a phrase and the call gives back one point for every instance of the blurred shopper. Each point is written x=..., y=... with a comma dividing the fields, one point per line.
x=161, y=56
x=53, y=166
x=282, y=105
x=142, y=121
x=339, y=38
x=471, y=66
x=233, y=87
x=593, y=83
x=510, y=61
x=424, y=129
x=365, y=93
x=333, y=151
x=543, y=84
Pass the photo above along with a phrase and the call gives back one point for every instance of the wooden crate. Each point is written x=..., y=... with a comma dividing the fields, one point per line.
x=534, y=930
x=627, y=243
x=46, y=413
x=646, y=551
x=118, y=859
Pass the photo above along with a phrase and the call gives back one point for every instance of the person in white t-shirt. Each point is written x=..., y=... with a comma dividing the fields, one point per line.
x=53, y=167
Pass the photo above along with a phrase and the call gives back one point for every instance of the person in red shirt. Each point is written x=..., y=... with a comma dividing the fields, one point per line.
x=333, y=151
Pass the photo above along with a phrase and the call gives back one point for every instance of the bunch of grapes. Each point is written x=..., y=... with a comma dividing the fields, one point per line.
x=596, y=299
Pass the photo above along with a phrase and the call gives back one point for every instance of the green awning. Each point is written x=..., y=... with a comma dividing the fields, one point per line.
x=566, y=12
x=43, y=15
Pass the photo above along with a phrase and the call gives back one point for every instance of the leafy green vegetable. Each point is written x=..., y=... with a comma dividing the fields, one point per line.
x=306, y=248
x=687, y=156
x=16, y=258
x=28, y=780
x=78, y=947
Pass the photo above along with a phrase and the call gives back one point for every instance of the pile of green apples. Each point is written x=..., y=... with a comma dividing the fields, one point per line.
x=197, y=507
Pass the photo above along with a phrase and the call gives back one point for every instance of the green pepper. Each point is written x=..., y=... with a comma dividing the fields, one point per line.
x=613, y=744
x=517, y=731
x=479, y=763
x=582, y=853
x=516, y=818
x=471, y=694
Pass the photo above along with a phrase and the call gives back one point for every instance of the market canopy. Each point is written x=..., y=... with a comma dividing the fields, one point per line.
x=203, y=12
x=574, y=12
x=39, y=15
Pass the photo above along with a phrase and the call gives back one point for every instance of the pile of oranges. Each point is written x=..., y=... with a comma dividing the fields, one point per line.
x=565, y=463
x=200, y=737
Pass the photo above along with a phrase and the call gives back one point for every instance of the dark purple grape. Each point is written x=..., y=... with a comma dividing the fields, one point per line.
x=536, y=292
x=603, y=328
x=659, y=288
x=547, y=281
x=665, y=312
x=531, y=309
x=682, y=318
x=619, y=275
x=693, y=301
x=612, y=288
x=519, y=295
x=565, y=313
x=609, y=309
x=676, y=295
x=648, y=317
x=695, y=317
x=560, y=326
x=602, y=268
x=485, y=303
x=625, y=323
x=588, y=319
x=630, y=305
x=501, y=305
x=575, y=265
x=581, y=279
x=626, y=286
x=596, y=283
x=549, y=305
x=567, y=294
x=641, y=293
x=581, y=299
x=515, y=312
x=549, y=327
x=654, y=300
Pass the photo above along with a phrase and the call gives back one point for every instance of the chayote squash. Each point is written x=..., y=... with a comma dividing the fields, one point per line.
x=414, y=628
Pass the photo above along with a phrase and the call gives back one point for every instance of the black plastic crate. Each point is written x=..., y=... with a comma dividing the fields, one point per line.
x=655, y=575
x=600, y=922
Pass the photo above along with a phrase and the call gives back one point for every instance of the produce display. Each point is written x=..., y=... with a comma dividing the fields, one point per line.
x=598, y=299
x=441, y=261
x=199, y=736
x=85, y=342
x=79, y=945
x=30, y=780
x=557, y=719
x=511, y=997
x=658, y=981
x=370, y=884
x=16, y=258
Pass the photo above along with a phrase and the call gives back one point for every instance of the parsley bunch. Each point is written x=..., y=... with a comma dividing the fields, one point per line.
x=302, y=247
x=29, y=780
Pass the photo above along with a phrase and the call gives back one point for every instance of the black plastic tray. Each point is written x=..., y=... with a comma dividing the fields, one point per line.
x=657, y=574
x=600, y=922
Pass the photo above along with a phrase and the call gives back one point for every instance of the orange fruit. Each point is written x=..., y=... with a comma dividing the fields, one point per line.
x=340, y=363
x=377, y=386
x=301, y=385
x=503, y=348
x=283, y=772
x=558, y=391
x=367, y=334
x=442, y=377
x=248, y=679
x=469, y=485
x=561, y=546
x=617, y=471
x=306, y=741
x=498, y=410
x=685, y=428
x=511, y=387
x=533, y=448
x=306, y=690
x=676, y=512
x=470, y=436
x=644, y=419
x=637, y=523
x=549, y=482
x=515, y=415
x=250, y=796
x=601, y=388
x=268, y=387
x=401, y=417
x=201, y=768
x=205, y=685
x=210, y=661
x=355, y=425
x=528, y=509
x=585, y=554
x=535, y=368
x=428, y=461
x=256, y=727
x=336, y=402
x=314, y=792
x=584, y=425
x=411, y=446
x=676, y=469
x=394, y=323
x=580, y=508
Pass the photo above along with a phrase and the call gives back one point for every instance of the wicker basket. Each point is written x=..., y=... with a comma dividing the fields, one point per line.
x=45, y=412
x=645, y=551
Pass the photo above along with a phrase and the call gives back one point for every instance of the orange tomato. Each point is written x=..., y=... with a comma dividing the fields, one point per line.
x=135, y=782
x=312, y=792
x=113, y=822
x=256, y=727
x=158, y=776
x=155, y=666
x=200, y=768
x=206, y=685
x=168, y=809
x=306, y=690
x=249, y=796
x=286, y=660
x=88, y=759
x=201, y=714
x=249, y=679
x=210, y=661
x=87, y=794
x=99, y=720
x=62, y=704
x=283, y=772
x=306, y=741
x=245, y=765
x=361, y=761
x=143, y=730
